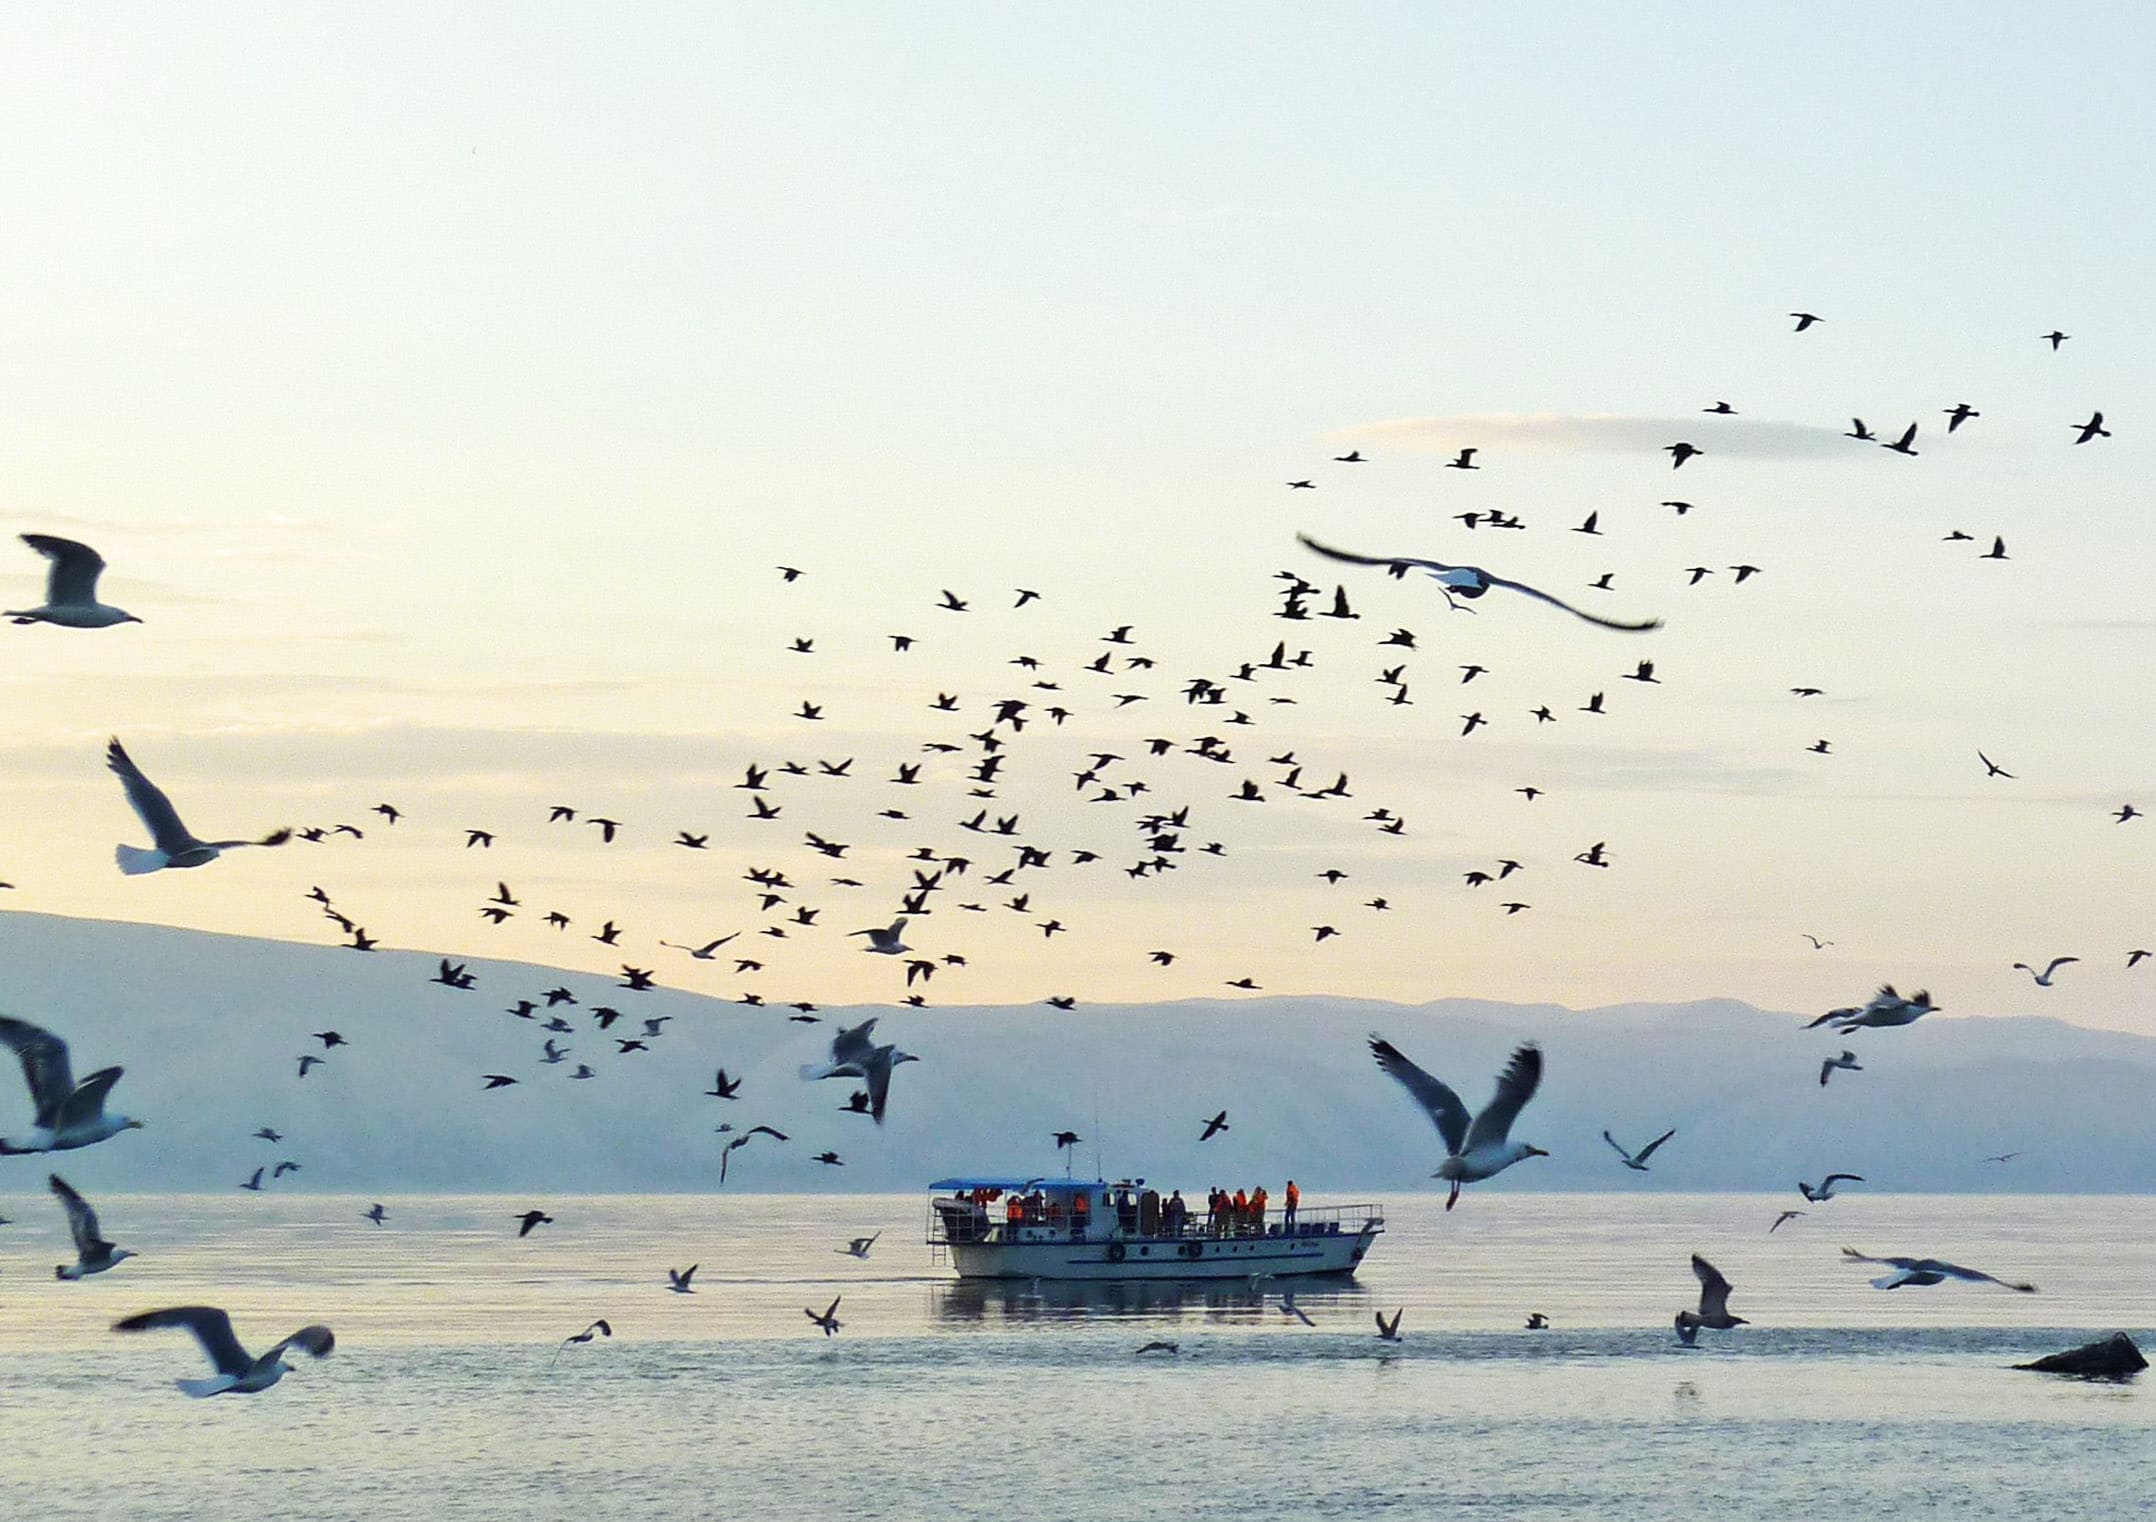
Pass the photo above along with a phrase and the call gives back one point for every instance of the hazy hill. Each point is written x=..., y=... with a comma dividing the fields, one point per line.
x=210, y=1028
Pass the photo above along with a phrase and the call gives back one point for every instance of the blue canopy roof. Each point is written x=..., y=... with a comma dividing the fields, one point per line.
x=1046, y=1184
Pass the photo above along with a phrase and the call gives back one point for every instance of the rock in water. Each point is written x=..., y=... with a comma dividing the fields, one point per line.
x=2115, y=1357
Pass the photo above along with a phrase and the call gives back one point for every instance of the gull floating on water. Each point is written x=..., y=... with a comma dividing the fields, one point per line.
x=176, y=845
x=238, y=1371
x=69, y=1115
x=1713, y=1312
x=1929, y=1271
x=93, y=1254
x=1476, y=1149
x=1467, y=581
x=853, y=1055
x=70, y=587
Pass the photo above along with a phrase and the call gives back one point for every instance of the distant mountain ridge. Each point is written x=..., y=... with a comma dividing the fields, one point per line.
x=210, y=1029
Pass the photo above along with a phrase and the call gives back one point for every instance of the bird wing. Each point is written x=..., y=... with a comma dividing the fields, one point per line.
x=832, y=1309
x=1974, y=1276
x=1388, y=561
x=852, y=1046
x=317, y=1340
x=1854, y=1178
x=87, y=1102
x=1856, y=1257
x=155, y=809
x=1593, y=618
x=81, y=1219
x=1515, y=1086
x=211, y=1327
x=1444, y=1107
x=72, y=578
x=878, y=1078
x=1648, y=1150
x=1618, y=1146
x=1713, y=1290
x=44, y=1067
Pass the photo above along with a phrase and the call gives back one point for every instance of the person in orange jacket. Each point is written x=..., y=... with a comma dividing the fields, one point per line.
x=1239, y=1212
x=1293, y=1199
x=1257, y=1211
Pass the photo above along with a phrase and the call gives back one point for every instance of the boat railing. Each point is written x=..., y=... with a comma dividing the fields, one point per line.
x=956, y=1220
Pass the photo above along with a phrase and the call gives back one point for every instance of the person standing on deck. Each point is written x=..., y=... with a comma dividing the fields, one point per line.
x=1293, y=1199
x=1240, y=1213
x=1257, y=1212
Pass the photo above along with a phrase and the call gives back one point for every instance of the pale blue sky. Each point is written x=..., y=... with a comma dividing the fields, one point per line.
x=443, y=386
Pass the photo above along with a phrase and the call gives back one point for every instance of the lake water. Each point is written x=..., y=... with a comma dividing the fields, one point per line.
x=450, y=1396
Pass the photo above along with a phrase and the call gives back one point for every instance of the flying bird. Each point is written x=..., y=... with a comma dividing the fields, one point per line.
x=2043, y=979
x=1785, y=1216
x=1637, y=1161
x=1389, y=1331
x=1825, y=1191
x=2093, y=429
x=858, y=1247
x=238, y=1371
x=93, y=1254
x=1680, y=452
x=855, y=1055
x=1923, y=1271
x=530, y=1221
x=67, y=1114
x=829, y=1319
x=175, y=845
x=1846, y=1060
x=1887, y=1008
x=677, y=1279
x=1713, y=1312
x=1476, y=1148
x=70, y=587
x=1215, y=1126
x=1467, y=581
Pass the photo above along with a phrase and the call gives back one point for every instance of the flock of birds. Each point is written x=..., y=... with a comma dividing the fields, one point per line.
x=980, y=762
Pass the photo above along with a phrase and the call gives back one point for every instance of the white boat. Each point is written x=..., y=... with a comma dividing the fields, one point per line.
x=1090, y=1229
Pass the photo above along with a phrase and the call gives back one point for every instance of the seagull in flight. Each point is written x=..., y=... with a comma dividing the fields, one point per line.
x=2043, y=979
x=829, y=1319
x=1847, y=1060
x=1887, y=1008
x=1785, y=1216
x=68, y=1114
x=239, y=1372
x=1993, y=768
x=1825, y=1191
x=93, y=1254
x=854, y=1055
x=175, y=845
x=70, y=588
x=1713, y=1312
x=886, y=941
x=1467, y=581
x=1637, y=1161
x=1923, y=1271
x=677, y=1279
x=858, y=1247
x=1476, y=1148
x=1215, y=1126
x=1389, y=1331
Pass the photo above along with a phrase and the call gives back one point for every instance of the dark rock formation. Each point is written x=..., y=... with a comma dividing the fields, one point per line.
x=2115, y=1357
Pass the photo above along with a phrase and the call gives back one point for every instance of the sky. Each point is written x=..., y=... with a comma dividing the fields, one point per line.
x=444, y=390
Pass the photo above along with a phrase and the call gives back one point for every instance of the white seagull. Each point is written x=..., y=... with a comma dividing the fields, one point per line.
x=70, y=588
x=1847, y=1059
x=858, y=1247
x=1475, y=1148
x=1466, y=581
x=93, y=1254
x=1886, y=1008
x=853, y=1055
x=69, y=1115
x=1929, y=1271
x=2043, y=979
x=886, y=942
x=176, y=847
x=1713, y=1312
x=238, y=1371
x=1825, y=1191
x=1637, y=1161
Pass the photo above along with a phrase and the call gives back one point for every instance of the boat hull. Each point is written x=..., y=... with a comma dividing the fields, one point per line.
x=1167, y=1258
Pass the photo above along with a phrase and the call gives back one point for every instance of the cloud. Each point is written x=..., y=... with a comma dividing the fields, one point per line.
x=1600, y=433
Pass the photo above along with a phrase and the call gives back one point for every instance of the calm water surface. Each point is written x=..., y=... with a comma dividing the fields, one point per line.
x=450, y=1396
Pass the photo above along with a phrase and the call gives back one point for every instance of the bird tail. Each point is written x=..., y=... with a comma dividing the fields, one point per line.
x=135, y=861
x=814, y=1070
